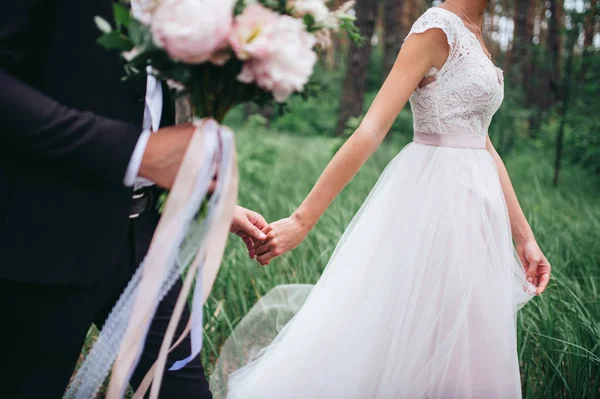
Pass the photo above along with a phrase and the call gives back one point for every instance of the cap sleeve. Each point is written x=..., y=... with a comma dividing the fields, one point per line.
x=436, y=18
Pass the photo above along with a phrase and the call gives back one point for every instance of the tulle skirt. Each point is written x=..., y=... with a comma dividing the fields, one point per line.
x=419, y=299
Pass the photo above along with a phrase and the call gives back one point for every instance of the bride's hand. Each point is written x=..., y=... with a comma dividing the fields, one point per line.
x=535, y=263
x=282, y=236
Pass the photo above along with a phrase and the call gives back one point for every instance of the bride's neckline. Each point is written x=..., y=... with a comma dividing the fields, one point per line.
x=470, y=32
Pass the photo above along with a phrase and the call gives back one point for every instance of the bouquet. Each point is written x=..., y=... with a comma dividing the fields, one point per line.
x=226, y=52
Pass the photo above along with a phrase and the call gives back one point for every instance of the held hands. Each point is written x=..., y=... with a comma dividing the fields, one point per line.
x=248, y=225
x=267, y=241
x=162, y=159
x=282, y=236
x=537, y=266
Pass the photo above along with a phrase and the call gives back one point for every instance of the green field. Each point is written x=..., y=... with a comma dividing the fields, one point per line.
x=559, y=332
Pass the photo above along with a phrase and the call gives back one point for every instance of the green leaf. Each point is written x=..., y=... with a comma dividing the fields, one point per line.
x=310, y=23
x=102, y=24
x=114, y=40
x=135, y=33
x=140, y=35
x=122, y=15
x=353, y=32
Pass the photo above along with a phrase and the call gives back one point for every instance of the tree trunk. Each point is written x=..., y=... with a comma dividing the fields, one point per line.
x=554, y=47
x=530, y=80
x=589, y=24
x=247, y=111
x=330, y=56
x=267, y=112
x=508, y=57
x=520, y=42
x=529, y=34
x=589, y=30
x=406, y=20
x=393, y=33
x=489, y=30
x=415, y=10
x=353, y=90
x=542, y=17
x=336, y=44
x=560, y=18
x=573, y=34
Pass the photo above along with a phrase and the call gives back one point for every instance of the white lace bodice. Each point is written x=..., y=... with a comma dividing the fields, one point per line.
x=466, y=91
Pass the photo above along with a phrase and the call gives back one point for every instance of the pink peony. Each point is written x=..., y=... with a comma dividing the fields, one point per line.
x=284, y=62
x=193, y=31
x=253, y=32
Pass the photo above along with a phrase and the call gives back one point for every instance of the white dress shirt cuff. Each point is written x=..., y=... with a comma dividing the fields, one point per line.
x=133, y=168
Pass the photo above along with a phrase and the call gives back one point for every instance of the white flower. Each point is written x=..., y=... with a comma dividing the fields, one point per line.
x=316, y=8
x=344, y=13
x=131, y=54
x=175, y=85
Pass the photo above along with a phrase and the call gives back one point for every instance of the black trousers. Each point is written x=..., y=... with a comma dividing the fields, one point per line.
x=43, y=329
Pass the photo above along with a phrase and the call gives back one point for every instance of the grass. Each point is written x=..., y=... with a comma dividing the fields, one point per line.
x=559, y=332
x=275, y=190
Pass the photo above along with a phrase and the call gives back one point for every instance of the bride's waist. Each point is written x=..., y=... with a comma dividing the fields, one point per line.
x=455, y=140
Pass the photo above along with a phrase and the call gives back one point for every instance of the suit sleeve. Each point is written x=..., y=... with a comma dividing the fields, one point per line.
x=36, y=125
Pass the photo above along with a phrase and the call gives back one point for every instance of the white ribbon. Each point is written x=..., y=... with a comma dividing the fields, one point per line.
x=124, y=333
x=197, y=323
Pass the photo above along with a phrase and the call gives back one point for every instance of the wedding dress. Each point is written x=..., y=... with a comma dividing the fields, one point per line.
x=419, y=299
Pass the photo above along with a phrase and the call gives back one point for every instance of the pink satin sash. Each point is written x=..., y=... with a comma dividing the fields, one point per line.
x=450, y=140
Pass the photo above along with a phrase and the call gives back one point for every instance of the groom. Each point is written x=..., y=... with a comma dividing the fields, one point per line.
x=77, y=201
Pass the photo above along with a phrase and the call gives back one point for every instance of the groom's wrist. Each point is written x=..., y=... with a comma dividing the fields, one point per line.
x=135, y=162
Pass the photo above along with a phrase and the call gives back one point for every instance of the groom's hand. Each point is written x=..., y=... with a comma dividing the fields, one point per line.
x=247, y=225
x=164, y=153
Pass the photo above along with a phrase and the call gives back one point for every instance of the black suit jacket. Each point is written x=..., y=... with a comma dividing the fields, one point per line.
x=68, y=127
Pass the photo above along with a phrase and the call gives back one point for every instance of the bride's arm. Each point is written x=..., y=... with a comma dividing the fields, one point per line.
x=532, y=257
x=410, y=67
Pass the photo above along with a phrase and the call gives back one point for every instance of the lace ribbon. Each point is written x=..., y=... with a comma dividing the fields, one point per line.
x=179, y=239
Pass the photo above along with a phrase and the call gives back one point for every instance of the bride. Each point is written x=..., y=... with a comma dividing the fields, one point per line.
x=419, y=299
